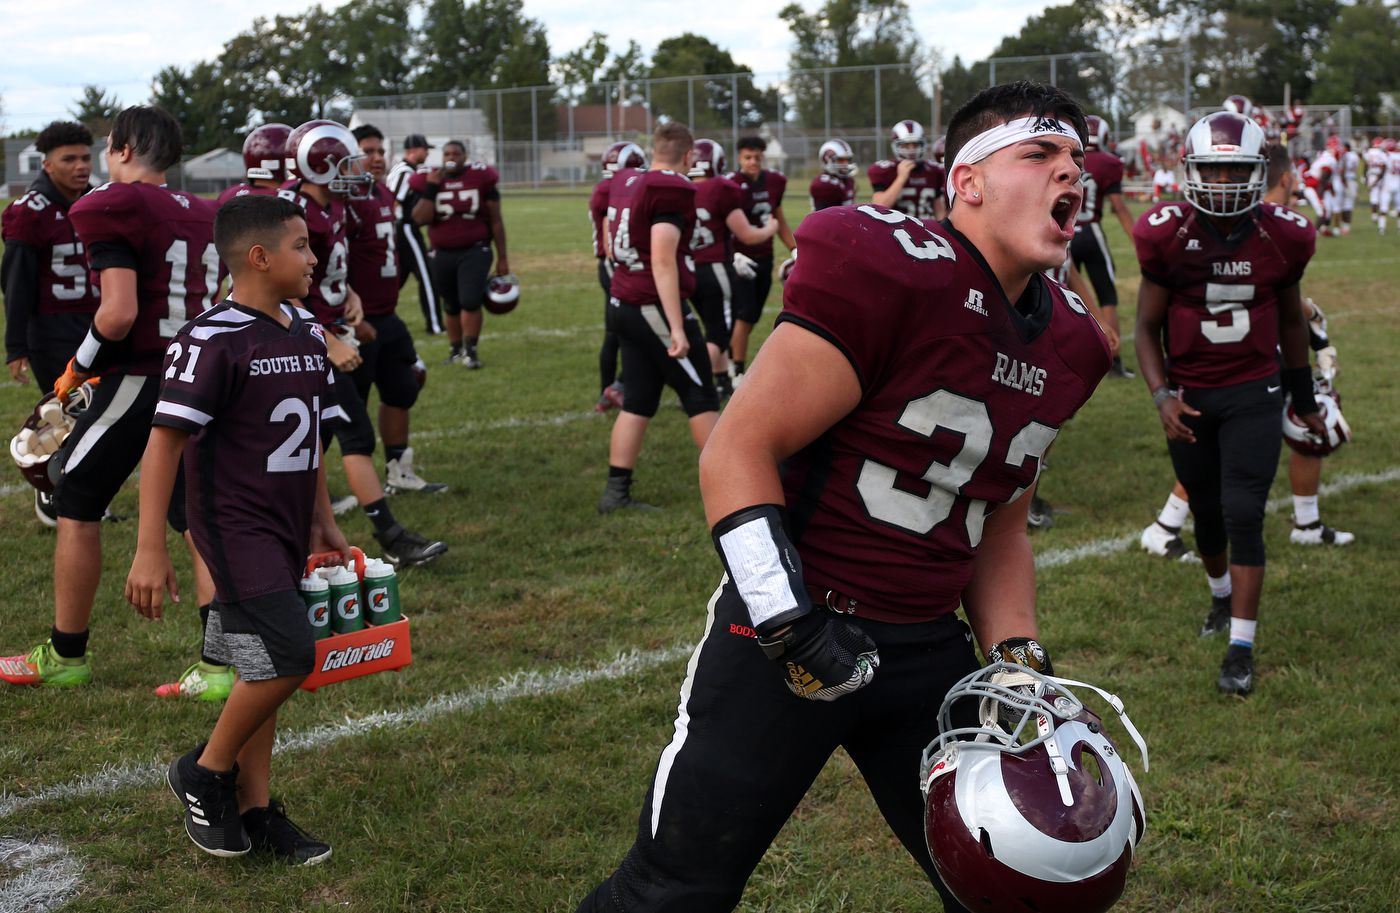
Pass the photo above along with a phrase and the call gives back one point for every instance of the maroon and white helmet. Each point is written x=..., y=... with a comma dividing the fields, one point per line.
x=1225, y=138
x=1097, y=132
x=502, y=294
x=623, y=155
x=42, y=435
x=1238, y=104
x=837, y=158
x=1307, y=442
x=265, y=153
x=706, y=159
x=1033, y=808
x=324, y=152
x=907, y=140
x=940, y=148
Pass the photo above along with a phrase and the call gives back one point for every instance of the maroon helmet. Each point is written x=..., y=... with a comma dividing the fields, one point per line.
x=502, y=294
x=706, y=159
x=265, y=153
x=45, y=429
x=1307, y=442
x=837, y=158
x=623, y=155
x=940, y=148
x=1225, y=138
x=324, y=152
x=1097, y=132
x=1033, y=809
x=420, y=372
x=1238, y=104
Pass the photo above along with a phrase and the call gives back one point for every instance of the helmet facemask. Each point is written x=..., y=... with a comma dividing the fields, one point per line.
x=1224, y=198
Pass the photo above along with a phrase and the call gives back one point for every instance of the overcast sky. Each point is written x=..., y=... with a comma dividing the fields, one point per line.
x=51, y=52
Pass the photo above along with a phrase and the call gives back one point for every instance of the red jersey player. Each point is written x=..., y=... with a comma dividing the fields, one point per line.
x=870, y=476
x=1103, y=190
x=1219, y=298
x=836, y=185
x=619, y=156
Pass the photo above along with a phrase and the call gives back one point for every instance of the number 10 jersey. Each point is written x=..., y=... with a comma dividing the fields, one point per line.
x=961, y=396
x=258, y=398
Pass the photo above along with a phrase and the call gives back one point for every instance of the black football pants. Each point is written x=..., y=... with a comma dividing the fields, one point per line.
x=1228, y=470
x=745, y=750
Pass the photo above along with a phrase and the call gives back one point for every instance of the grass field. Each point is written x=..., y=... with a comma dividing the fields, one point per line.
x=505, y=768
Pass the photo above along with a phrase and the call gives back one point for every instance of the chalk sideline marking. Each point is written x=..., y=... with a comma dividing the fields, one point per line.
x=532, y=683
x=46, y=876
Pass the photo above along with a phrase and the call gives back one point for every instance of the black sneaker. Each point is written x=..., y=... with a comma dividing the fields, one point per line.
x=271, y=831
x=1119, y=370
x=44, y=509
x=406, y=548
x=211, y=805
x=1219, y=617
x=1237, y=671
x=1041, y=515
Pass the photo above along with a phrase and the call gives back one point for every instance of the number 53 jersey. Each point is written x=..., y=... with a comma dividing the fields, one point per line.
x=1222, y=318
x=258, y=399
x=962, y=394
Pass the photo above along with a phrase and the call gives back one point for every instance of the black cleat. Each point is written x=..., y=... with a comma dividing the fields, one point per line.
x=1237, y=671
x=271, y=831
x=44, y=509
x=1041, y=515
x=211, y=805
x=1218, y=619
x=618, y=496
x=406, y=548
x=1119, y=370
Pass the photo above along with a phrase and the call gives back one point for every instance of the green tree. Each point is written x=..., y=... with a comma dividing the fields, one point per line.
x=1070, y=29
x=210, y=115
x=579, y=74
x=713, y=100
x=957, y=84
x=96, y=109
x=856, y=33
x=379, y=42
x=1359, y=62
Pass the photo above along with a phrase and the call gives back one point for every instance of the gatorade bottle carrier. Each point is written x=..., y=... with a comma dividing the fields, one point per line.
x=376, y=648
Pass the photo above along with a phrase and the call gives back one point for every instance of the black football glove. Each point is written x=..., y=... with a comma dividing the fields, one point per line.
x=824, y=657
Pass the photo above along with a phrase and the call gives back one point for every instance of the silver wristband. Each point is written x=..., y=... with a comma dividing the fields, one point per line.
x=1161, y=395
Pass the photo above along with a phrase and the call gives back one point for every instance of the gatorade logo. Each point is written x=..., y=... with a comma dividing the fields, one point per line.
x=319, y=614
x=348, y=607
x=379, y=599
x=339, y=659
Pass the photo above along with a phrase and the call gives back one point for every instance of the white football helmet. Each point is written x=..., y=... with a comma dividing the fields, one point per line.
x=907, y=140
x=1033, y=808
x=1303, y=439
x=1225, y=138
x=837, y=158
x=324, y=152
x=1098, y=133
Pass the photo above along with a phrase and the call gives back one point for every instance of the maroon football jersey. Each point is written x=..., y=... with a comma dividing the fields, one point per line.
x=961, y=395
x=459, y=218
x=326, y=232
x=167, y=237
x=830, y=190
x=917, y=198
x=1222, y=319
x=761, y=197
x=41, y=221
x=374, y=258
x=598, y=212
x=254, y=395
x=1103, y=175
x=638, y=200
x=715, y=199
x=244, y=190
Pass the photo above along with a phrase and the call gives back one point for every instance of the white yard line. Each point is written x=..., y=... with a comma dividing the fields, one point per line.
x=46, y=876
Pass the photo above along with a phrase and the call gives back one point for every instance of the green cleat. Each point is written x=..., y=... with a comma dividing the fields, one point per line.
x=43, y=666
x=200, y=682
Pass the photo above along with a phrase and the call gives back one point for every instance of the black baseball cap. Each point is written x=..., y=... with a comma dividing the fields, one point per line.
x=417, y=141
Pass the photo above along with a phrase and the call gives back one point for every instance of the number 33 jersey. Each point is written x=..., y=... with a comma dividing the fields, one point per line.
x=258, y=398
x=1222, y=317
x=961, y=396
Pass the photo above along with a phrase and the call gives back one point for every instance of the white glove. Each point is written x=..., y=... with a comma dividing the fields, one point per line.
x=1327, y=363
x=745, y=266
x=786, y=269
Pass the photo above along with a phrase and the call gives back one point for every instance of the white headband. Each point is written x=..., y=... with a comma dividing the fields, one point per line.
x=1007, y=134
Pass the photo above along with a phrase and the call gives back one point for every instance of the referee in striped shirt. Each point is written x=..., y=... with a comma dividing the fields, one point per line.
x=413, y=256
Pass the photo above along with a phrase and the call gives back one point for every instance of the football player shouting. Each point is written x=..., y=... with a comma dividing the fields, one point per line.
x=869, y=477
x=1219, y=298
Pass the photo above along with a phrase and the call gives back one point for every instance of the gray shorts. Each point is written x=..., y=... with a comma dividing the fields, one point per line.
x=263, y=638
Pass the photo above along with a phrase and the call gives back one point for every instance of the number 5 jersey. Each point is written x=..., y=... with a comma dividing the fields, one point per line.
x=961, y=395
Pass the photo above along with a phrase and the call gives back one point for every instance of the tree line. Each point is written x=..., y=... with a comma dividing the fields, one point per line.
x=1119, y=56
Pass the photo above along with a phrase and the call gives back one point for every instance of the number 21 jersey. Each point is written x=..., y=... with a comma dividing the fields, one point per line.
x=258, y=398
x=961, y=395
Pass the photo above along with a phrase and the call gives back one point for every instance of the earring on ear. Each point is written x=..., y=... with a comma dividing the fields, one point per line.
x=976, y=195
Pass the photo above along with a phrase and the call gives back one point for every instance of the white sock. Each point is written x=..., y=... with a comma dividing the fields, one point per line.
x=1305, y=510
x=1220, y=586
x=1242, y=632
x=1174, y=512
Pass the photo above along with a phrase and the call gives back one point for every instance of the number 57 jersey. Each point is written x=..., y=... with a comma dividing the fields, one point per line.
x=258, y=399
x=1222, y=317
x=962, y=394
